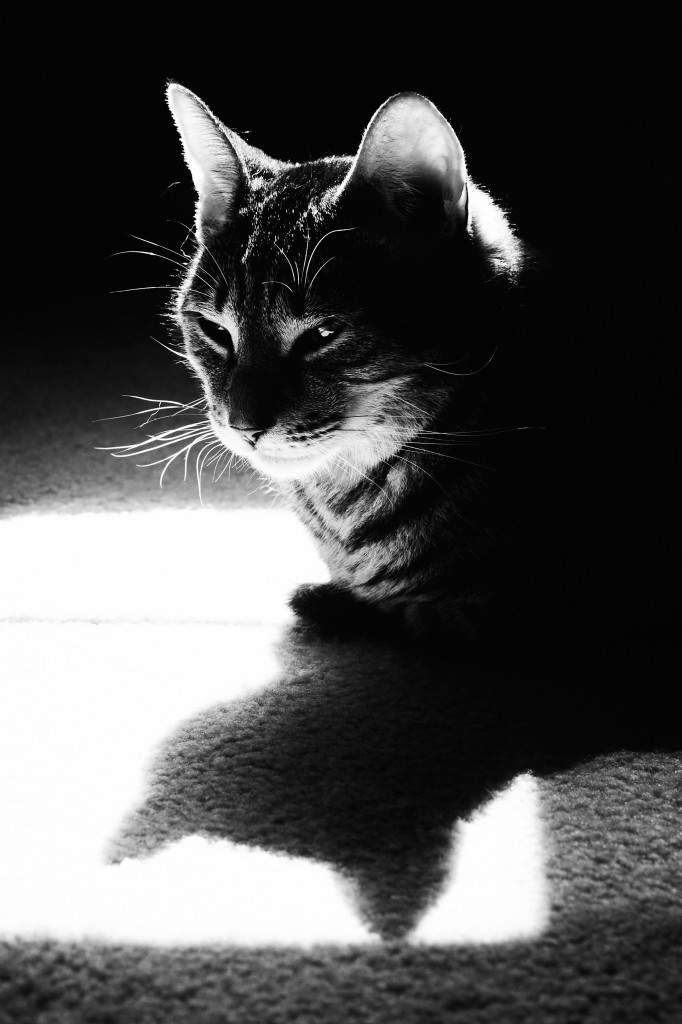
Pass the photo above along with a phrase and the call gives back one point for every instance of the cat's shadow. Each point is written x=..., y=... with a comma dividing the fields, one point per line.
x=364, y=753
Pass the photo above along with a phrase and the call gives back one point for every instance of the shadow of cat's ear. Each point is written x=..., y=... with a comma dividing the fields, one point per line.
x=411, y=165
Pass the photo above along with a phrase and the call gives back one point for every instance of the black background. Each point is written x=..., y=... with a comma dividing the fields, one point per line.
x=560, y=122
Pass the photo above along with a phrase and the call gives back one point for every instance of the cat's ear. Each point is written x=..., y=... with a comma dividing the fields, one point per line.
x=411, y=161
x=212, y=155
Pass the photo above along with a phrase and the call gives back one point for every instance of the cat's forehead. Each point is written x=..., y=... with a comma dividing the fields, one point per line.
x=290, y=207
x=269, y=258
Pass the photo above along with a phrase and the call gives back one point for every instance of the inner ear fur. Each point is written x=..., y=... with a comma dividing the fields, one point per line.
x=212, y=153
x=411, y=163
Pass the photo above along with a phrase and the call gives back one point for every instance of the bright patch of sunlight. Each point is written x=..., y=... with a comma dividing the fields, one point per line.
x=172, y=566
x=123, y=625
x=82, y=709
x=497, y=889
x=194, y=892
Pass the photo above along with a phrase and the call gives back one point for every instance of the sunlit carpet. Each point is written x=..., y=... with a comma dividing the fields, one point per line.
x=212, y=812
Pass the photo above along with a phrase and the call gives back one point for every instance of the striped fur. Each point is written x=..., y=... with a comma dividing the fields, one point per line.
x=354, y=340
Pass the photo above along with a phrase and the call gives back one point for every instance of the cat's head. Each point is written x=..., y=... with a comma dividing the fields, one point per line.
x=323, y=295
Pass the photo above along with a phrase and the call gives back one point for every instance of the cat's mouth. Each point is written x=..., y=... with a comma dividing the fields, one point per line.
x=279, y=458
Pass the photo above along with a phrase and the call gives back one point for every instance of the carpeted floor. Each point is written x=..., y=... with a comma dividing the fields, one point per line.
x=212, y=813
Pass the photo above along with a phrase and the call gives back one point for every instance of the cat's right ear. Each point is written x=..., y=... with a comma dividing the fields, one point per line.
x=410, y=168
x=211, y=155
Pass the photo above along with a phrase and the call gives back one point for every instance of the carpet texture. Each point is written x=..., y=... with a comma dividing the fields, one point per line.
x=212, y=812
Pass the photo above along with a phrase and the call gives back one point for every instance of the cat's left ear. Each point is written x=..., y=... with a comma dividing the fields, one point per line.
x=212, y=155
x=411, y=163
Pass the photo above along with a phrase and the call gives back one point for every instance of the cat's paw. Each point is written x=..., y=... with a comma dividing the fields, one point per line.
x=334, y=612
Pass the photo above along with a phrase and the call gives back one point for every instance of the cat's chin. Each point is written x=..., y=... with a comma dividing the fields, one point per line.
x=291, y=467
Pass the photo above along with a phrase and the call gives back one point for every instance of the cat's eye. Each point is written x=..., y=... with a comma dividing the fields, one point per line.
x=214, y=331
x=316, y=338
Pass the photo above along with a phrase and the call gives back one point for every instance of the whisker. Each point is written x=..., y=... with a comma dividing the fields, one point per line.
x=172, y=455
x=466, y=438
x=283, y=284
x=127, y=415
x=189, y=231
x=145, y=288
x=177, y=431
x=215, y=453
x=136, y=450
x=334, y=231
x=455, y=362
x=294, y=276
x=216, y=460
x=443, y=442
x=408, y=446
x=208, y=250
x=202, y=437
x=305, y=258
x=367, y=478
x=153, y=418
x=260, y=487
x=120, y=451
x=210, y=284
x=169, y=401
x=232, y=458
x=405, y=401
x=180, y=355
x=163, y=405
x=437, y=483
x=226, y=456
x=147, y=241
x=471, y=373
x=483, y=432
x=170, y=459
x=309, y=287
x=208, y=448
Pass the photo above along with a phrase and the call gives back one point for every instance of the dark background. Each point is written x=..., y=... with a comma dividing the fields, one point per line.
x=559, y=122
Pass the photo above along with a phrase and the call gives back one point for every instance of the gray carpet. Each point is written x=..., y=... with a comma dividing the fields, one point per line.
x=214, y=813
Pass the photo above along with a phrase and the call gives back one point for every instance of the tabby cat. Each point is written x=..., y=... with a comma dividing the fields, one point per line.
x=354, y=324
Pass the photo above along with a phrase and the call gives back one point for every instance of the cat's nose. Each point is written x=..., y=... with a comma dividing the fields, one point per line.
x=251, y=402
x=250, y=434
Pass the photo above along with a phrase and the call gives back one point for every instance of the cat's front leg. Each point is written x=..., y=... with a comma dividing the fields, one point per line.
x=335, y=611
x=430, y=619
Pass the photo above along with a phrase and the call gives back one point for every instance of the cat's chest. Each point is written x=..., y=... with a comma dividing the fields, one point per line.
x=374, y=532
x=344, y=512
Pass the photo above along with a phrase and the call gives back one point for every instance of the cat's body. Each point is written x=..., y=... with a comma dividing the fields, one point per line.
x=359, y=329
x=354, y=324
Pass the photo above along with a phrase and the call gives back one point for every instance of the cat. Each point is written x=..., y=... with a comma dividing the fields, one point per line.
x=356, y=325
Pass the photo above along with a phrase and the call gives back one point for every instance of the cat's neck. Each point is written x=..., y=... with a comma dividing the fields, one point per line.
x=377, y=527
x=344, y=501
